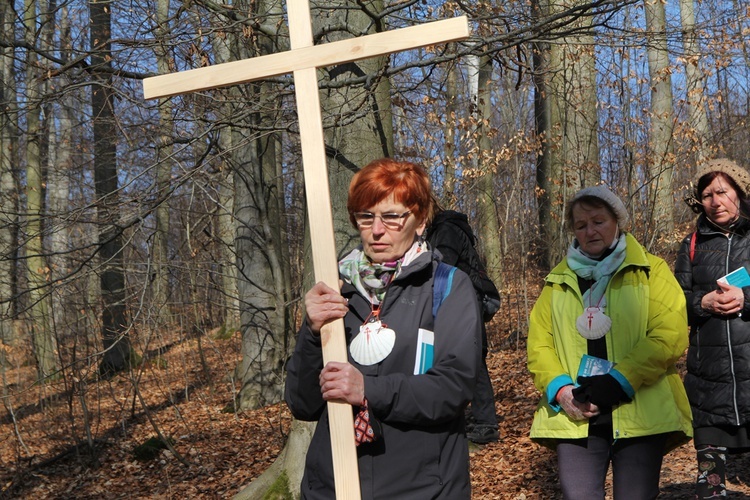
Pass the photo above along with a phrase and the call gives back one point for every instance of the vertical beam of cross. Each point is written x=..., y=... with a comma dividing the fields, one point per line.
x=332, y=335
x=303, y=60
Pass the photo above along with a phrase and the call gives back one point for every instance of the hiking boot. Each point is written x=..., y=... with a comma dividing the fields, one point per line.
x=483, y=434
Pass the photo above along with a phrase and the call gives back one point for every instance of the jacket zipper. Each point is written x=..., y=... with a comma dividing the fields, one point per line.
x=615, y=414
x=726, y=266
x=611, y=349
x=729, y=343
x=698, y=341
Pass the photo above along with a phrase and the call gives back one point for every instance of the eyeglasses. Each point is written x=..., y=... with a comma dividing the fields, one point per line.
x=389, y=220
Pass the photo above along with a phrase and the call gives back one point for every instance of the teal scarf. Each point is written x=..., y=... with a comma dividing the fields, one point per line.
x=600, y=271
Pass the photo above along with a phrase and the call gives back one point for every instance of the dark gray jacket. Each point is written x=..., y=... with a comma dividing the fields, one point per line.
x=423, y=452
x=718, y=361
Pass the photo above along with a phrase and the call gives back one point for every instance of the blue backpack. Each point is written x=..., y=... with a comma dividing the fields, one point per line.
x=441, y=285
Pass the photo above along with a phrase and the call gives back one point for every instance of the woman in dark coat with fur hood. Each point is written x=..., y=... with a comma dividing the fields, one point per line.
x=718, y=377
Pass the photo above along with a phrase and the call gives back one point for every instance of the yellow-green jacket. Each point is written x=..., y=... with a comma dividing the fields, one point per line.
x=648, y=335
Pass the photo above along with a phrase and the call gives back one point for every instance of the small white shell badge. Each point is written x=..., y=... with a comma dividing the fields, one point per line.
x=593, y=323
x=373, y=344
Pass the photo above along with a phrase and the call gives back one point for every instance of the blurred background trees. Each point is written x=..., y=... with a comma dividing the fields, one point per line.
x=127, y=225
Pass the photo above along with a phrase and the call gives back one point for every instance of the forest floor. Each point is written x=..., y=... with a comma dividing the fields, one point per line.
x=183, y=390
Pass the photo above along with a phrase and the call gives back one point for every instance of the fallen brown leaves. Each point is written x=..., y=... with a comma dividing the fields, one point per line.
x=39, y=457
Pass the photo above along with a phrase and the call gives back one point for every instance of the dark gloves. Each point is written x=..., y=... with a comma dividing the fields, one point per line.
x=602, y=390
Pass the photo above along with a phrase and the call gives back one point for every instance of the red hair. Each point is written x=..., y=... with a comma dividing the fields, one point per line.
x=407, y=182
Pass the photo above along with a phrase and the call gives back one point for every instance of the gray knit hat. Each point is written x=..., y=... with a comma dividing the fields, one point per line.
x=738, y=174
x=608, y=197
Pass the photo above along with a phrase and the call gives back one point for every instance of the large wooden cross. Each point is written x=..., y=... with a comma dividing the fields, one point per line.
x=303, y=60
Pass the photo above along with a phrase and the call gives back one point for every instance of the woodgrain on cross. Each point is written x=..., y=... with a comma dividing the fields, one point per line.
x=303, y=60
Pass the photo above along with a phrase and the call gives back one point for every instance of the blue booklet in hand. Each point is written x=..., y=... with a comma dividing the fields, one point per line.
x=739, y=278
x=591, y=365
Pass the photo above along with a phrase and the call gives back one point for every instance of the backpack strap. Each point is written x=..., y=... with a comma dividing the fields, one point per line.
x=693, y=237
x=441, y=285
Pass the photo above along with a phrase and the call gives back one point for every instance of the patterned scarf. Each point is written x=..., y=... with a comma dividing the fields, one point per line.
x=600, y=271
x=372, y=279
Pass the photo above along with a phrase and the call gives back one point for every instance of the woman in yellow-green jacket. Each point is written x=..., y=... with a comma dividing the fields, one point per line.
x=603, y=339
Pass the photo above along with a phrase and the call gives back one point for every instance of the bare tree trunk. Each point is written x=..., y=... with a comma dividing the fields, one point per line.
x=449, y=130
x=660, y=159
x=288, y=467
x=225, y=217
x=698, y=121
x=740, y=35
x=118, y=352
x=269, y=146
x=567, y=126
x=225, y=222
x=625, y=168
x=8, y=185
x=59, y=164
x=488, y=228
x=265, y=321
x=37, y=270
x=260, y=369
x=160, y=252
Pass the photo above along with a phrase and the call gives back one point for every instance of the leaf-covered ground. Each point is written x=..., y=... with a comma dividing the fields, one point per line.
x=53, y=446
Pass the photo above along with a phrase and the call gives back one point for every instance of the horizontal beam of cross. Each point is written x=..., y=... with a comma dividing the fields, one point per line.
x=327, y=54
x=303, y=60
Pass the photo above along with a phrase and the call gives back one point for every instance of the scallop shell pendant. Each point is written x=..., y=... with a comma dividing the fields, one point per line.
x=373, y=344
x=593, y=323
